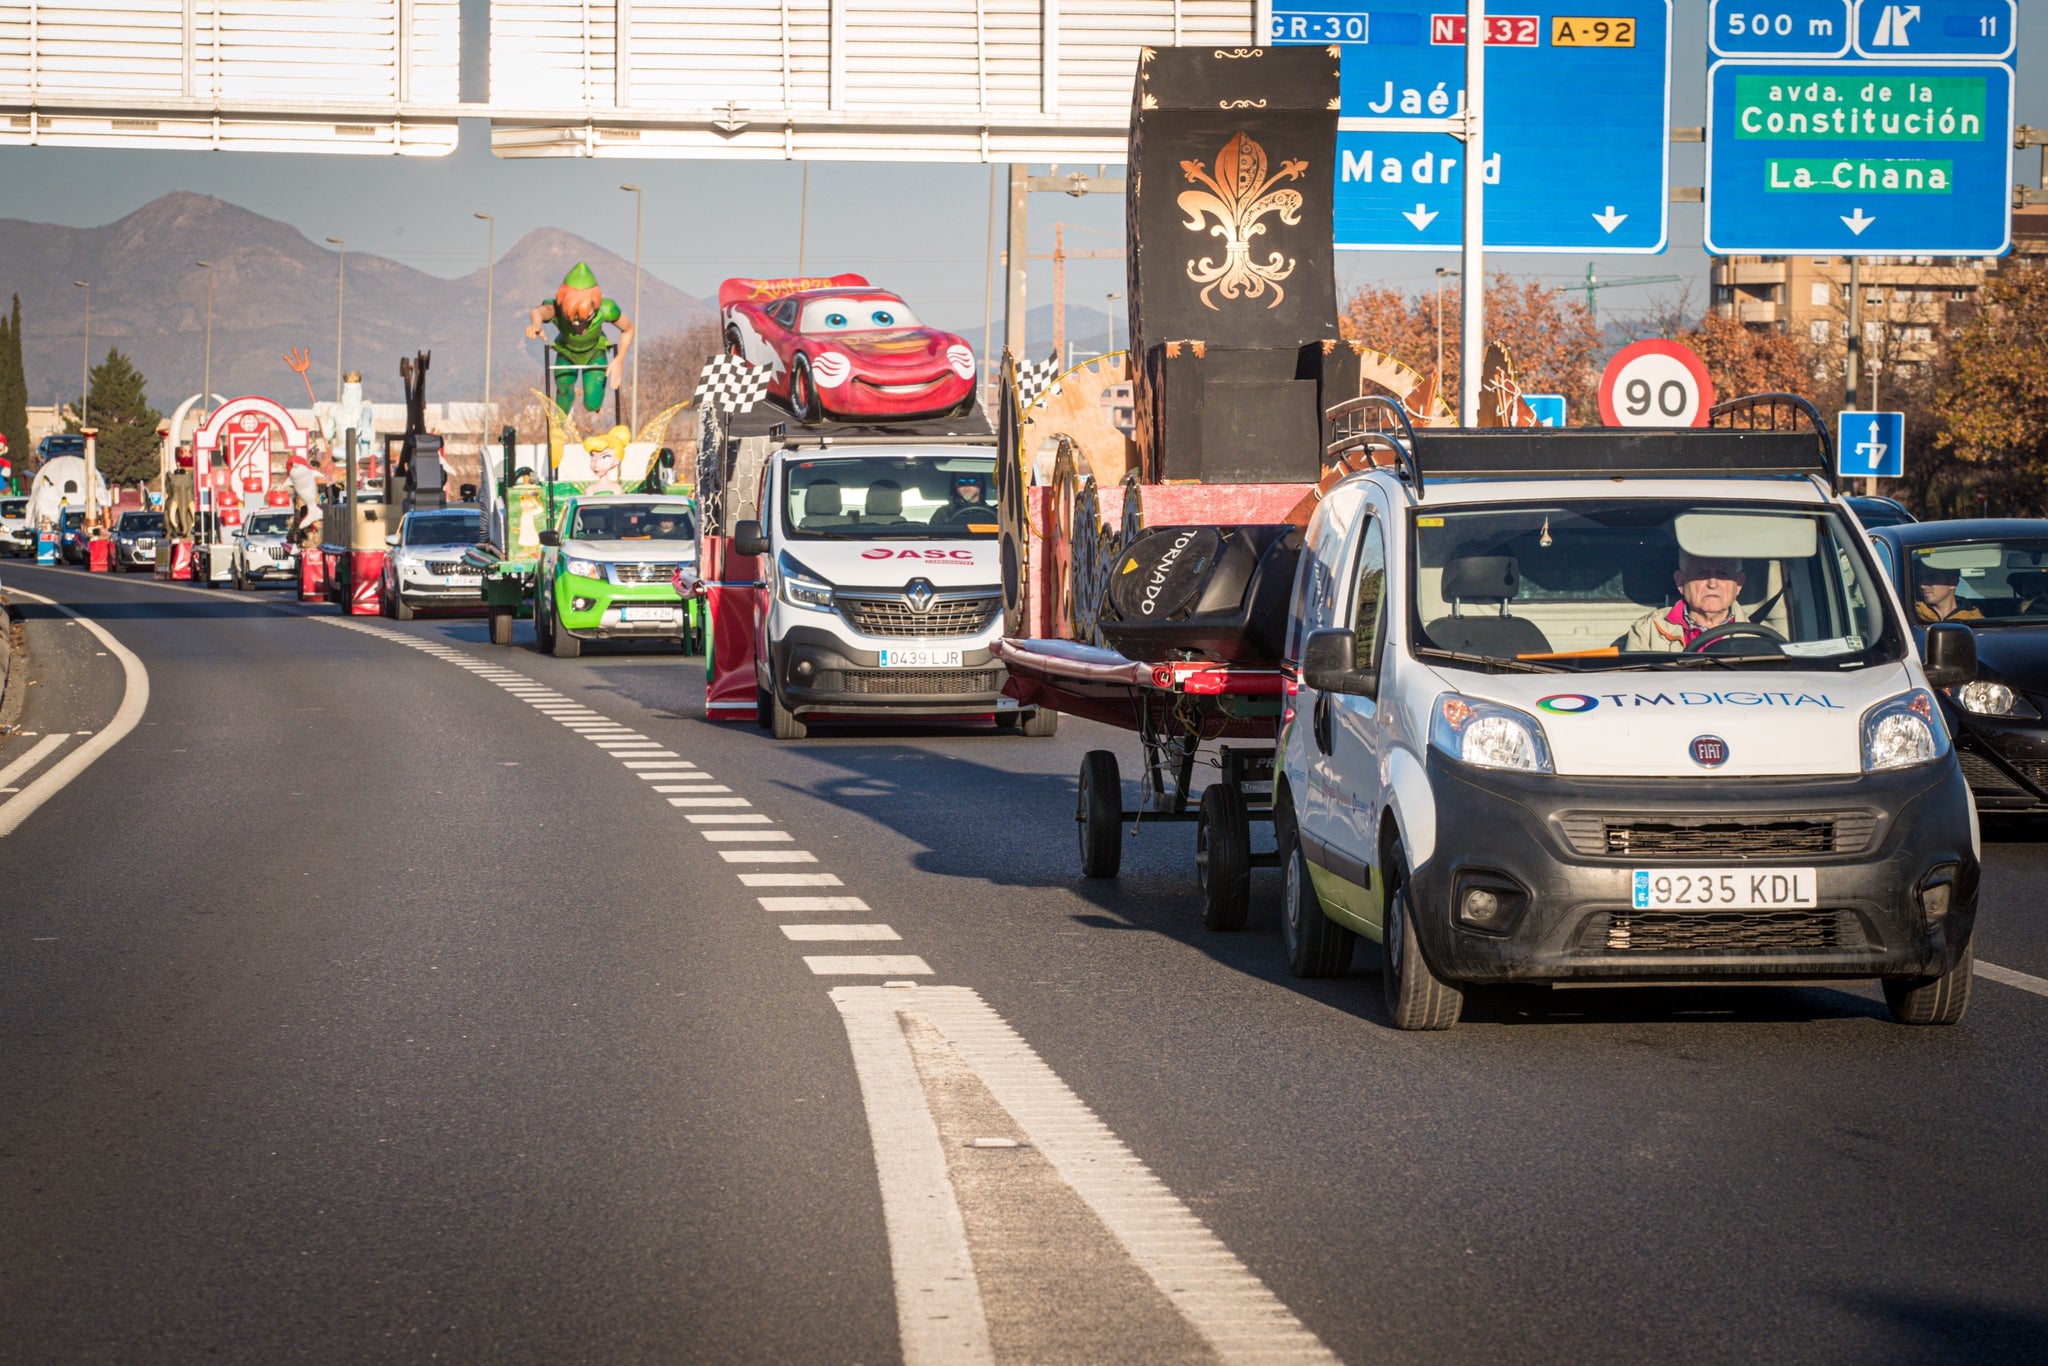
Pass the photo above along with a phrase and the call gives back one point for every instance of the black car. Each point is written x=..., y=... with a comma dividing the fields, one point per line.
x=1875, y=512
x=1991, y=575
x=135, y=539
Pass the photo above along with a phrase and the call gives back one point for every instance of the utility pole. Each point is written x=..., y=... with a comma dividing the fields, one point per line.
x=1013, y=293
x=803, y=223
x=1109, y=315
x=340, y=298
x=206, y=382
x=1472, y=345
x=1441, y=272
x=1852, y=364
x=638, y=200
x=988, y=291
x=92, y=449
x=490, y=297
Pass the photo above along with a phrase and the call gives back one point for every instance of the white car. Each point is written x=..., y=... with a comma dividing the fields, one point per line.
x=263, y=549
x=1485, y=770
x=881, y=589
x=17, y=533
x=424, y=566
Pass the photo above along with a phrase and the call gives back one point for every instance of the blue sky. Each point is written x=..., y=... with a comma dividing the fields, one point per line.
x=920, y=229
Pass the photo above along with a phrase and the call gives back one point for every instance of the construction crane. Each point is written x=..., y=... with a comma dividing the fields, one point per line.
x=1594, y=285
x=1059, y=258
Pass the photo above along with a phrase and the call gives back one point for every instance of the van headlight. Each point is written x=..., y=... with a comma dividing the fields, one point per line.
x=801, y=587
x=1903, y=732
x=1487, y=735
x=1985, y=698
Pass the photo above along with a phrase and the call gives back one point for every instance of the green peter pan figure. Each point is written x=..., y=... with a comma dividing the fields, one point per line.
x=579, y=311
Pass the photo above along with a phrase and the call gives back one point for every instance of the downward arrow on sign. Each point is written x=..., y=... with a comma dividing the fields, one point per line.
x=1855, y=221
x=1610, y=220
x=1422, y=217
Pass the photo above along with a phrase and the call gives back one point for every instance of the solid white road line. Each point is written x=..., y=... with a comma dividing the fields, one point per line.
x=938, y=1301
x=134, y=701
x=807, y=903
x=790, y=879
x=768, y=856
x=828, y=933
x=1228, y=1305
x=2025, y=981
x=37, y=752
x=868, y=965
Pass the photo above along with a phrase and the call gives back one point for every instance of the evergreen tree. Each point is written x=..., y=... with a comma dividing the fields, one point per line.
x=127, y=424
x=14, y=396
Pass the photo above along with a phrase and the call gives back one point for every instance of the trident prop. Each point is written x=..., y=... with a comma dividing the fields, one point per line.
x=301, y=360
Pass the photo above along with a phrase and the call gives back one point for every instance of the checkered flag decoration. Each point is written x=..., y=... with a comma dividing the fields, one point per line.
x=731, y=384
x=1034, y=377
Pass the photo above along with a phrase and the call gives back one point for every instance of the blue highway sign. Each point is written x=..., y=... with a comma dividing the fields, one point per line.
x=1870, y=445
x=1899, y=144
x=1577, y=108
x=1549, y=408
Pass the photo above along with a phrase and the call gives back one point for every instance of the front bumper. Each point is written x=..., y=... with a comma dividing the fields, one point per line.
x=2005, y=760
x=1545, y=837
x=440, y=590
x=602, y=617
x=857, y=398
x=135, y=554
x=816, y=670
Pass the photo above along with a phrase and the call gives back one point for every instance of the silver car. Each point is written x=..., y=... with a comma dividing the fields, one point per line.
x=425, y=565
x=263, y=549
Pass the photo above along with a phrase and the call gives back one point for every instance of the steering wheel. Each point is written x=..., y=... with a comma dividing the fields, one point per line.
x=1730, y=629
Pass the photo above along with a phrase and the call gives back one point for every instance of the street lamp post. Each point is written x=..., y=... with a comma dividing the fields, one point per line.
x=340, y=284
x=206, y=381
x=1109, y=313
x=634, y=411
x=490, y=286
x=85, y=398
x=1441, y=272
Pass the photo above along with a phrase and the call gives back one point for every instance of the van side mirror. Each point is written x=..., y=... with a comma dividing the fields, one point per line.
x=1950, y=656
x=551, y=538
x=749, y=539
x=1329, y=664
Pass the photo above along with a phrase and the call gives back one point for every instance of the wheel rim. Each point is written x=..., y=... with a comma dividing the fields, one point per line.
x=1202, y=854
x=1397, y=929
x=1290, y=920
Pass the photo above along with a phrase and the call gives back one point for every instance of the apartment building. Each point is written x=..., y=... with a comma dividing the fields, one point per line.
x=1907, y=300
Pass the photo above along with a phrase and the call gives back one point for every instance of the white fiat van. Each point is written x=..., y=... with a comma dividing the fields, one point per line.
x=881, y=587
x=1587, y=707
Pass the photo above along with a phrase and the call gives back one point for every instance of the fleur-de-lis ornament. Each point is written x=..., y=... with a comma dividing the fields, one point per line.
x=1240, y=194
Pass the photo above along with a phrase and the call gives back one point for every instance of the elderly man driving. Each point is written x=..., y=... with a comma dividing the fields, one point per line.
x=1707, y=589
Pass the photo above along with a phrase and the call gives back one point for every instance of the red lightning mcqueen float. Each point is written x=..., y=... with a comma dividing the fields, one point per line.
x=837, y=349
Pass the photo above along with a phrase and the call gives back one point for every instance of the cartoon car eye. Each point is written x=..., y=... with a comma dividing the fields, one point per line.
x=883, y=318
x=835, y=320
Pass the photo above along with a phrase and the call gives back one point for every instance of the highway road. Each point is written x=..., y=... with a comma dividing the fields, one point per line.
x=387, y=995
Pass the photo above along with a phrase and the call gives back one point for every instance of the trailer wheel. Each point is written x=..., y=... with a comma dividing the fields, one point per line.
x=1099, y=812
x=1041, y=723
x=1223, y=857
x=501, y=626
x=1937, y=1000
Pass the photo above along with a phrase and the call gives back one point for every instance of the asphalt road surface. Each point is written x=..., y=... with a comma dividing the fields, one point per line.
x=385, y=994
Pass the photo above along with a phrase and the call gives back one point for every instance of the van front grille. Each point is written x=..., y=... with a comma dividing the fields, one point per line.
x=910, y=682
x=1723, y=932
x=1717, y=836
x=890, y=616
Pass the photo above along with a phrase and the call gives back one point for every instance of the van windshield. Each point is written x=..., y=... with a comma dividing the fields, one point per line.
x=891, y=497
x=1644, y=584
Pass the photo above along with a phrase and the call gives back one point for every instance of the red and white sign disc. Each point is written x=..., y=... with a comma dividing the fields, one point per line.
x=1656, y=383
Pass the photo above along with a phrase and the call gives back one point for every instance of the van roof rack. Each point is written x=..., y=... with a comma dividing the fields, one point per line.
x=1756, y=435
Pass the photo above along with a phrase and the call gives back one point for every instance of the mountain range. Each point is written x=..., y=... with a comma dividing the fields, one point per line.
x=274, y=288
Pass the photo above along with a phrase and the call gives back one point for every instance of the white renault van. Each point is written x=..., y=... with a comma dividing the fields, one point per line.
x=881, y=589
x=1587, y=707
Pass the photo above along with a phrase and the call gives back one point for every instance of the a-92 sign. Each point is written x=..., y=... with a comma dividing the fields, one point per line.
x=1656, y=383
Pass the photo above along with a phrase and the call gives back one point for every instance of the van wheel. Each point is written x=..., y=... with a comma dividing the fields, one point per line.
x=1040, y=723
x=501, y=626
x=787, y=724
x=1416, y=997
x=1316, y=945
x=1939, y=1000
x=764, y=708
x=1099, y=812
x=1223, y=857
x=563, y=644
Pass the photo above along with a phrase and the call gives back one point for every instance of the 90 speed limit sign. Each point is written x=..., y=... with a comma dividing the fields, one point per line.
x=1655, y=383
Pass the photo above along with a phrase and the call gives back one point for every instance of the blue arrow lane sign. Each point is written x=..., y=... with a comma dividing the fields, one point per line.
x=1871, y=445
x=1577, y=107
x=1853, y=155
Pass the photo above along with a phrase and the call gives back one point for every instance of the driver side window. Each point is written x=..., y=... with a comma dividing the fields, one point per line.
x=1368, y=602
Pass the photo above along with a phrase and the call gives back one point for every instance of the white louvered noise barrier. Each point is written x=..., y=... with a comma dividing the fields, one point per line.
x=894, y=80
x=338, y=76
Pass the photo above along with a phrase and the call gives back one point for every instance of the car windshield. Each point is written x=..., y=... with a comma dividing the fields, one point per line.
x=142, y=521
x=891, y=497
x=270, y=524
x=878, y=313
x=1986, y=583
x=444, y=528
x=74, y=519
x=1646, y=583
x=13, y=507
x=608, y=521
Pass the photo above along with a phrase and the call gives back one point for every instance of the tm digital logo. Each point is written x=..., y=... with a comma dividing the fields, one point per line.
x=1578, y=703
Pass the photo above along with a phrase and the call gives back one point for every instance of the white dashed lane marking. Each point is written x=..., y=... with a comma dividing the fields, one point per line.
x=748, y=836
x=867, y=965
x=2025, y=981
x=828, y=933
x=807, y=903
x=767, y=856
x=726, y=818
x=792, y=880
